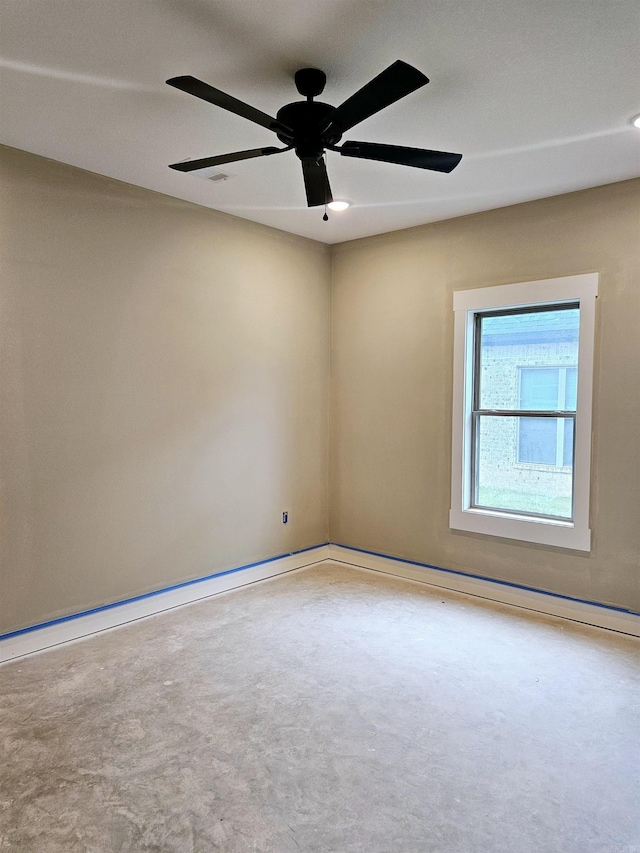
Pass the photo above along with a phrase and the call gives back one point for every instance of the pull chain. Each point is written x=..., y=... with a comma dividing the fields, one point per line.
x=325, y=218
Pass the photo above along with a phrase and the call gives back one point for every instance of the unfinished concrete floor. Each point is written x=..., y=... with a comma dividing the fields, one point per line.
x=330, y=709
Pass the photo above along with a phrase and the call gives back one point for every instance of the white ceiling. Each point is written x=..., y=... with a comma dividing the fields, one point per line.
x=536, y=94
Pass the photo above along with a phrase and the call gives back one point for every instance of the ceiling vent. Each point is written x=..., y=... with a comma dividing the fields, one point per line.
x=216, y=177
x=214, y=174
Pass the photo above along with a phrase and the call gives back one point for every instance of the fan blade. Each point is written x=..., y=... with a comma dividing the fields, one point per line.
x=193, y=165
x=421, y=158
x=316, y=182
x=193, y=86
x=396, y=81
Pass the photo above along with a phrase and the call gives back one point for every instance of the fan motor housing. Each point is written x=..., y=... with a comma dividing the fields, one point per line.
x=309, y=122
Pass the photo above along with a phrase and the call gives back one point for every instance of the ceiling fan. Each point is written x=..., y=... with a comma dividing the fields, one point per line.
x=311, y=127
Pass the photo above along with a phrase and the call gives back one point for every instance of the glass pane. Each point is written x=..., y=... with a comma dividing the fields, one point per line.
x=538, y=440
x=539, y=387
x=503, y=482
x=567, y=450
x=514, y=344
x=571, y=390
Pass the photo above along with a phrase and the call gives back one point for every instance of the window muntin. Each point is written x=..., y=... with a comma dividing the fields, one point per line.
x=555, y=430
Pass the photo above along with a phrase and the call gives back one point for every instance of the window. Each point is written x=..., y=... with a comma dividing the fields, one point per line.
x=524, y=414
x=523, y=374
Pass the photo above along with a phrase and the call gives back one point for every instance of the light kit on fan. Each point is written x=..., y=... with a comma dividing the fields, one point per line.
x=311, y=127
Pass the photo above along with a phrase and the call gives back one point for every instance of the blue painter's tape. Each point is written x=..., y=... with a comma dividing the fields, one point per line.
x=416, y=563
x=154, y=592
x=491, y=580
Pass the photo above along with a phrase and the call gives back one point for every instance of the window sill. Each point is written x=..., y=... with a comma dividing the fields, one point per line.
x=554, y=532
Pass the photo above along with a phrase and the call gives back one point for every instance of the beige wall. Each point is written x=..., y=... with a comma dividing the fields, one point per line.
x=164, y=379
x=392, y=335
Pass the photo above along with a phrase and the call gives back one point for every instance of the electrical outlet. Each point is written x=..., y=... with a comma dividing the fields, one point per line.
x=285, y=517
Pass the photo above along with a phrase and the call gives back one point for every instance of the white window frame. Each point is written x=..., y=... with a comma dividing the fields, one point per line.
x=574, y=534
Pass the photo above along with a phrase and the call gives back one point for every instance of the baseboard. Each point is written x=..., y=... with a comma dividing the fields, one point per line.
x=586, y=612
x=37, y=638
